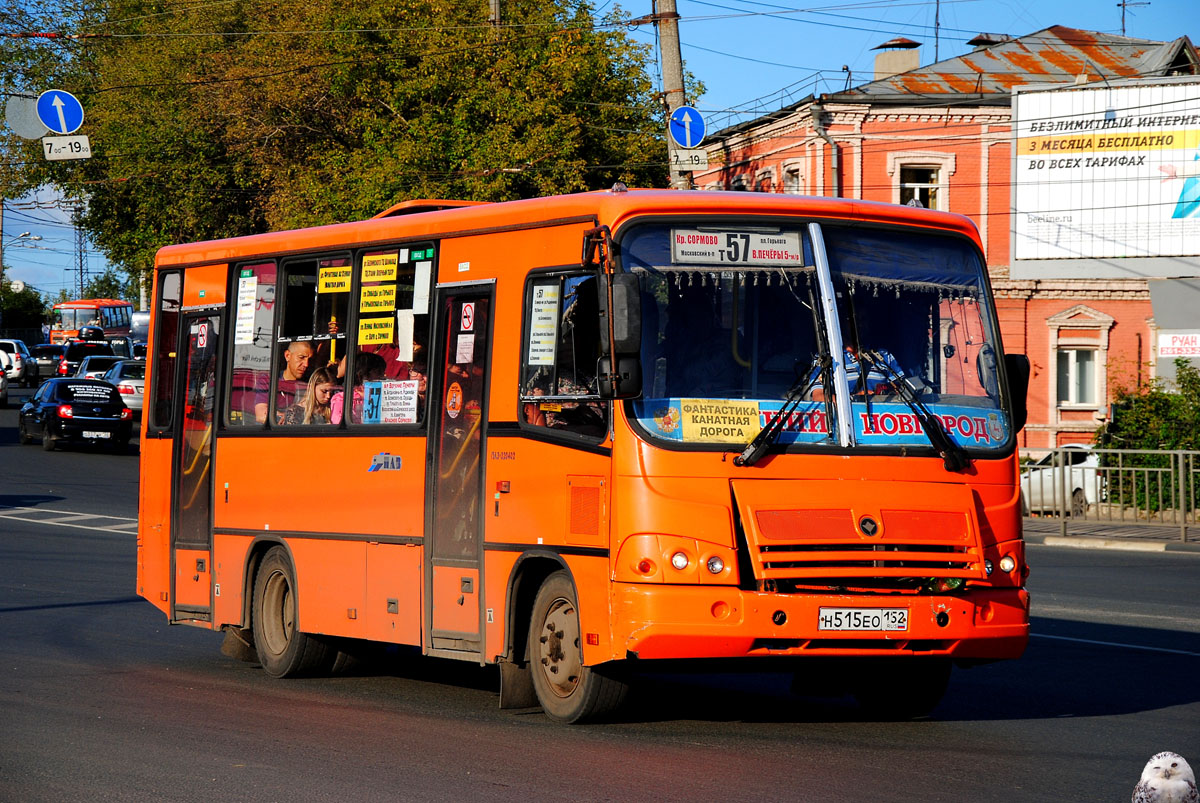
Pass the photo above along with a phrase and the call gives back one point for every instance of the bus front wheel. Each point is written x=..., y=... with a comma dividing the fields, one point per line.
x=282, y=649
x=567, y=690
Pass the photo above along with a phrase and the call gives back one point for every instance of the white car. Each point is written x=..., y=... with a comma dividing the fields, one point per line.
x=22, y=368
x=4, y=379
x=1042, y=483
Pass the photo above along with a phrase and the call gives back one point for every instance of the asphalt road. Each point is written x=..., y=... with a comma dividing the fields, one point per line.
x=101, y=700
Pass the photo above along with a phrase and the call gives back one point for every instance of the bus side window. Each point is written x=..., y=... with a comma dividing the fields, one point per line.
x=166, y=334
x=390, y=372
x=559, y=355
x=254, y=289
x=312, y=336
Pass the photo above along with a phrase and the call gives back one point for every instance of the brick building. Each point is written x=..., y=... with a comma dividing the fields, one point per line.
x=942, y=135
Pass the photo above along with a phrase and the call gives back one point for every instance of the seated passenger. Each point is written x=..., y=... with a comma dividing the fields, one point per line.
x=876, y=381
x=315, y=407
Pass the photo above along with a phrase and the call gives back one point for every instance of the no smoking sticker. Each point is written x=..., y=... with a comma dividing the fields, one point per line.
x=468, y=317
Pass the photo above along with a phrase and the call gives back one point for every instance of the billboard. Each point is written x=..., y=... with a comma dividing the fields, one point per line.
x=1106, y=171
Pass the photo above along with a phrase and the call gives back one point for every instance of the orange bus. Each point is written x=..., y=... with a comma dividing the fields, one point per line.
x=577, y=435
x=69, y=317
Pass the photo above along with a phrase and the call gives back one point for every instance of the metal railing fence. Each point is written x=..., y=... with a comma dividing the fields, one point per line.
x=1122, y=486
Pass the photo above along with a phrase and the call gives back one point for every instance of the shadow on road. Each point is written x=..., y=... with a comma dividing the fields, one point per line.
x=28, y=500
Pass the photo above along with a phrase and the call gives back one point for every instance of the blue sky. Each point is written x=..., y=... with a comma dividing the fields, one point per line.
x=754, y=57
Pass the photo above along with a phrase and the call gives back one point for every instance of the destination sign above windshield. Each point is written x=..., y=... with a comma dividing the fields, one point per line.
x=693, y=247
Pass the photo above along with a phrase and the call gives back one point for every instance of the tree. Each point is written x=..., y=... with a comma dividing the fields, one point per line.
x=108, y=285
x=215, y=120
x=23, y=310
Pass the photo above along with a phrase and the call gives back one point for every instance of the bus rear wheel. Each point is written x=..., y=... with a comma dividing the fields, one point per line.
x=282, y=649
x=567, y=690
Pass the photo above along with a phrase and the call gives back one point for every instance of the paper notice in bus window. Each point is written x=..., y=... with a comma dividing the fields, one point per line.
x=404, y=335
x=465, y=353
x=380, y=267
x=719, y=420
x=421, y=287
x=398, y=402
x=334, y=279
x=376, y=330
x=247, y=296
x=380, y=298
x=543, y=324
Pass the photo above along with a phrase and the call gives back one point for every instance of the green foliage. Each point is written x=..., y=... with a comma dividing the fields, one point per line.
x=23, y=310
x=1158, y=419
x=212, y=120
x=109, y=285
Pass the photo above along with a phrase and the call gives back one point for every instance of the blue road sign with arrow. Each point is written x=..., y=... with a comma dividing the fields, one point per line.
x=686, y=127
x=60, y=111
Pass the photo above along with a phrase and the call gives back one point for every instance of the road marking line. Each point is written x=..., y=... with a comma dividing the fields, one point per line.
x=1117, y=644
x=66, y=518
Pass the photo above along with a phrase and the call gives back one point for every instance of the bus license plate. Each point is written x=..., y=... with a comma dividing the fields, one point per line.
x=97, y=434
x=882, y=619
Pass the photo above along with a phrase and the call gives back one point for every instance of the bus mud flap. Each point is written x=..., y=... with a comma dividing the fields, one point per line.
x=516, y=686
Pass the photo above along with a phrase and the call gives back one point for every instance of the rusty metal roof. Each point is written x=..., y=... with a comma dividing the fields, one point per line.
x=1054, y=55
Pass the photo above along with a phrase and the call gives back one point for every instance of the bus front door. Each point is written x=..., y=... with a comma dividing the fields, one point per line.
x=454, y=543
x=191, y=531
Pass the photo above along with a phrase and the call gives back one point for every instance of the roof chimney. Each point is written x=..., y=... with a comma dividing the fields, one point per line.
x=987, y=40
x=896, y=56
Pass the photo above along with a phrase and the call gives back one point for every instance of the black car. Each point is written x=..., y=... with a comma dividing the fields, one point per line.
x=76, y=350
x=66, y=409
x=48, y=356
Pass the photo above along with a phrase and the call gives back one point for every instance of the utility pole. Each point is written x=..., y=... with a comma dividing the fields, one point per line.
x=667, y=21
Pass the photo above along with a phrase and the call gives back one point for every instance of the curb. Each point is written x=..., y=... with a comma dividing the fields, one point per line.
x=1120, y=544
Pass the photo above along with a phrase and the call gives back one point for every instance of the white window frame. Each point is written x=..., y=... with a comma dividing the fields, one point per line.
x=1071, y=355
x=791, y=169
x=944, y=163
x=1067, y=333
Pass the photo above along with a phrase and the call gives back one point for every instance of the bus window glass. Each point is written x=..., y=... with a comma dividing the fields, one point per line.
x=562, y=346
x=390, y=363
x=253, y=326
x=311, y=341
x=732, y=322
x=166, y=332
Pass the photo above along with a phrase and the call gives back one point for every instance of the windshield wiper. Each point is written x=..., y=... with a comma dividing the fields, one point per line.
x=954, y=457
x=771, y=432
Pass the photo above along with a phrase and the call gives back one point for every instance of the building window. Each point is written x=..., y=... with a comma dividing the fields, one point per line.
x=919, y=185
x=921, y=176
x=1077, y=377
x=739, y=184
x=793, y=182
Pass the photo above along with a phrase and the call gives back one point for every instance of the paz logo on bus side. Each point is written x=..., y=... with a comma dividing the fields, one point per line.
x=60, y=111
x=385, y=461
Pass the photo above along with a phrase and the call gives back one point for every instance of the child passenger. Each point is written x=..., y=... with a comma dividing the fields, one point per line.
x=314, y=408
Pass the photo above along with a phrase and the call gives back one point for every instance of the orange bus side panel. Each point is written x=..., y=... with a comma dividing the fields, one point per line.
x=320, y=486
x=393, y=605
x=229, y=581
x=193, y=577
x=456, y=599
x=205, y=286
x=331, y=586
x=154, y=522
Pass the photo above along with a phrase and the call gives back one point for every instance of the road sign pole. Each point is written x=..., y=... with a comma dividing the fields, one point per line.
x=667, y=21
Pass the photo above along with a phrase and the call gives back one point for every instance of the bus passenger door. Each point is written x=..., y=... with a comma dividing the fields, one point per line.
x=454, y=541
x=191, y=530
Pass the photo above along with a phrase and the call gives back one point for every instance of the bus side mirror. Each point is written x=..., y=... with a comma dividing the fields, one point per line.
x=1017, y=368
x=624, y=383
x=627, y=314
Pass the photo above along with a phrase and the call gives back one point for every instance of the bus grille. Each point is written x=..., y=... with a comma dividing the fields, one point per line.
x=925, y=535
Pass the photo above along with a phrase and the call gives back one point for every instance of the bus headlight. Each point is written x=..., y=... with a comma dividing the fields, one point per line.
x=680, y=561
x=1008, y=563
x=715, y=564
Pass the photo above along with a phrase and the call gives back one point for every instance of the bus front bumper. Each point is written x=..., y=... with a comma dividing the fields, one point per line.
x=664, y=621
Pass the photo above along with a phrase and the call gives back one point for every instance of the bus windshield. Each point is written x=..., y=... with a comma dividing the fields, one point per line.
x=733, y=319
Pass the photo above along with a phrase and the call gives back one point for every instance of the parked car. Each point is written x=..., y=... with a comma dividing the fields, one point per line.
x=75, y=352
x=70, y=410
x=96, y=365
x=24, y=369
x=1042, y=482
x=129, y=377
x=48, y=356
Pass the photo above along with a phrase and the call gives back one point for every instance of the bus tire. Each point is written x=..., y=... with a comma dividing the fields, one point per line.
x=282, y=649
x=567, y=690
x=908, y=688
